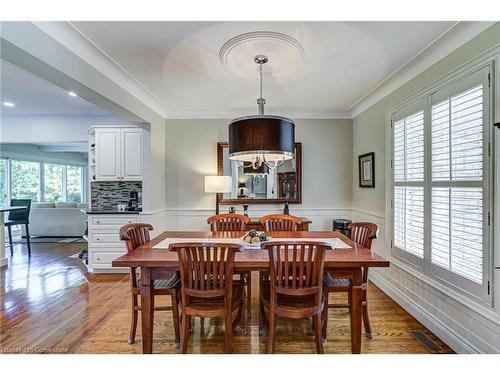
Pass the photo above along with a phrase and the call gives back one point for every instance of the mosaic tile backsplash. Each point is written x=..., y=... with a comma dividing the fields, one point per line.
x=106, y=195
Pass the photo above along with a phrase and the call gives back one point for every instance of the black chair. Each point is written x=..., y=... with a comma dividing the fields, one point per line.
x=19, y=217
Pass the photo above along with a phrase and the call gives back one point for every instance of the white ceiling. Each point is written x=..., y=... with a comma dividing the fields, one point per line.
x=34, y=96
x=178, y=63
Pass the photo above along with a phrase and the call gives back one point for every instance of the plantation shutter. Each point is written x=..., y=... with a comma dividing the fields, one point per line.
x=457, y=181
x=408, y=182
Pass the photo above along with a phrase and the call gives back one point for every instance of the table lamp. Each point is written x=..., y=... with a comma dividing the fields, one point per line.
x=218, y=184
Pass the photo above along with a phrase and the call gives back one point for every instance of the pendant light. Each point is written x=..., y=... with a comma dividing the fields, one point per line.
x=261, y=139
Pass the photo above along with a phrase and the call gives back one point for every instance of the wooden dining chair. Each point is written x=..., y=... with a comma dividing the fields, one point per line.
x=228, y=222
x=136, y=235
x=280, y=222
x=294, y=289
x=363, y=234
x=207, y=287
x=231, y=223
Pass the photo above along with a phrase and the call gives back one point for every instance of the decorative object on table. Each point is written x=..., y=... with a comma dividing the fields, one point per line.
x=342, y=226
x=241, y=190
x=254, y=238
x=260, y=139
x=218, y=184
x=232, y=210
x=286, y=209
x=367, y=170
x=245, y=209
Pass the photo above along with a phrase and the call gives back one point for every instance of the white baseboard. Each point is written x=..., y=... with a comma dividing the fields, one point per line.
x=450, y=337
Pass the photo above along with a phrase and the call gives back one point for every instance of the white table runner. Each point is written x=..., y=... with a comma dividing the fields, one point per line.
x=335, y=243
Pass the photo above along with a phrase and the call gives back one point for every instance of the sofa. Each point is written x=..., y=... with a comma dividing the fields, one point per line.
x=59, y=219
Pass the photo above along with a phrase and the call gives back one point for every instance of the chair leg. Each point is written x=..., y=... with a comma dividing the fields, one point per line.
x=324, y=319
x=10, y=240
x=175, y=316
x=249, y=294
x=28, y=239
x=271, y=333
x=318, y=337
x=366, y=320
x=228, y=333
x=133, y=322
x=185, y=332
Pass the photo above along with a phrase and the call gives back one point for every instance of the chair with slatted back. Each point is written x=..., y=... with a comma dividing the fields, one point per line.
x=136, y=235
x=207, y=287
x=363, y=234
x=228, y=222
x=232, y=223
x=280, y=222
x=294, y=289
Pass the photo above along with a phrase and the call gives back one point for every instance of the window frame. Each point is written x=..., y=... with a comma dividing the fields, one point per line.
x=481, y=293
x=41, y=163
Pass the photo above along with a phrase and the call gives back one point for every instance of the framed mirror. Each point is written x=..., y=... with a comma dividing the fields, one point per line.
x=264, y=185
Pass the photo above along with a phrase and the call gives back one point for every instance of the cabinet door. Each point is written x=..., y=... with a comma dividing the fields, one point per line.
x=107, y=154
x=132, y=154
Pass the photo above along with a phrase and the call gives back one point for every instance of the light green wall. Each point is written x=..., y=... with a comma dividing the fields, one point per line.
x=370, y=126
x=326, y=162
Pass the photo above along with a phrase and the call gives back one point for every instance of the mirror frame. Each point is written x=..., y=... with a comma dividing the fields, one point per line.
x=298, y=168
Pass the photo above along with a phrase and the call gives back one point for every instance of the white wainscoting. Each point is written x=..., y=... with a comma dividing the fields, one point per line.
x=196, y=219
x=463, y=324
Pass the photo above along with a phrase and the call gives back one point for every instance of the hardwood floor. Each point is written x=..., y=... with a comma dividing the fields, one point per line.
x=49, y=304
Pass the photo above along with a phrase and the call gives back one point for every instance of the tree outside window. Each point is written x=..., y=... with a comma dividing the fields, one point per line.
x=3, y=182
x=73, y=184
x=25, y=180
x=53, y=178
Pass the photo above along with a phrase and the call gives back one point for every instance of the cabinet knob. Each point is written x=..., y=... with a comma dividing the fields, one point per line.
x=98, y=258
x=98, y=221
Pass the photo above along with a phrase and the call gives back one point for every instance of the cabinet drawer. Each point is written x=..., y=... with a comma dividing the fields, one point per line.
x=105, y=258
x=112, y=220
x=97, y=237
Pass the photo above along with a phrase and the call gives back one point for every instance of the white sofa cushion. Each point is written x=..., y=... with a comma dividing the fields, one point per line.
x=65, y=205
x=43, y=205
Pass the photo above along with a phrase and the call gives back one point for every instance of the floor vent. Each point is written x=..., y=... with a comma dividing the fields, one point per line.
x=426, y=341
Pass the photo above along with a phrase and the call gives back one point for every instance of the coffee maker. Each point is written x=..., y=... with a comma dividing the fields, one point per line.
x=133, y=201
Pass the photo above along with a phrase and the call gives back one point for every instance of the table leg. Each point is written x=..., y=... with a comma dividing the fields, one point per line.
x=147, y=310
x=356, y=310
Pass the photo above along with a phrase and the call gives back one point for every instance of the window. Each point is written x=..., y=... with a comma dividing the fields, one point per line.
x=53, y=183
x=40, y=181
x=74, y=184
x=440, y=196
x=25, y=180
x=4, y=188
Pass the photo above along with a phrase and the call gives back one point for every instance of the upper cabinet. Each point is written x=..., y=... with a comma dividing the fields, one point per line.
x=116, y=154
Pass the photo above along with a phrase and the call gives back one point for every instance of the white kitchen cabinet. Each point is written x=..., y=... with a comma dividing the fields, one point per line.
x=104, y=244
x=107, y=154
x=118, y=154
x=131, y=154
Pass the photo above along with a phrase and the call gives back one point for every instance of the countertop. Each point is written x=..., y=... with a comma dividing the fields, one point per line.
x=110, y=212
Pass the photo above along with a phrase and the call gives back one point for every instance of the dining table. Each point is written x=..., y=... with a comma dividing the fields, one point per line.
x=155, y=261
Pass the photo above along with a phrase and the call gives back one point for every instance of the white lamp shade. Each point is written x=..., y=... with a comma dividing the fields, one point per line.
x=218, y=184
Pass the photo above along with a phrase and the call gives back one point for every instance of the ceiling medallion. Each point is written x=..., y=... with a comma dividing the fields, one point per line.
x=284, y=51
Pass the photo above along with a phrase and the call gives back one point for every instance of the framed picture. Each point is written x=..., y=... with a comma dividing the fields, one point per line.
x=367, y=170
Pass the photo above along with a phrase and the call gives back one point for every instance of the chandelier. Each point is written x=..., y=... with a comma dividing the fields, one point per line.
x=261, y=139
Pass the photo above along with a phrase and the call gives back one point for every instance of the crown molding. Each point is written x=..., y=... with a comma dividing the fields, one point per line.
x=293, y=113
x=449, y=41
x=74, y=40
